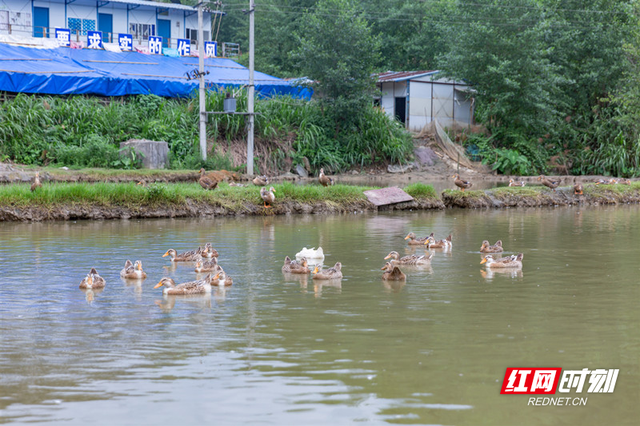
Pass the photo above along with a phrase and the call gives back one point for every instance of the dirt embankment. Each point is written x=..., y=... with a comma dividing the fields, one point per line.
x=542, y=197
x=193, y=208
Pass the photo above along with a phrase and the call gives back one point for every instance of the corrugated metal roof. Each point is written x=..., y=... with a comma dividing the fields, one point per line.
x=402, y=75
x=143, y=3
x=160, y=5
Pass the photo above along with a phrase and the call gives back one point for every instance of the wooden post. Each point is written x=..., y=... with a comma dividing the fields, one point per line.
x=251, y=92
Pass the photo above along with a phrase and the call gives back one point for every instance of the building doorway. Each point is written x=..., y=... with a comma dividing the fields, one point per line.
x=401, y=109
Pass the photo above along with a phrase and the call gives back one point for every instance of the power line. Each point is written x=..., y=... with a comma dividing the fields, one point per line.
x=457, y=5
x=498, y=21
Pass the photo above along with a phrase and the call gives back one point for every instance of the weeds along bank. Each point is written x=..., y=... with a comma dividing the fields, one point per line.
x=70, y=201
x=85, y=132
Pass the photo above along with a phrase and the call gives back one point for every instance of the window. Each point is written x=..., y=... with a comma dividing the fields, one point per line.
x=142, y=31
x=192, y=34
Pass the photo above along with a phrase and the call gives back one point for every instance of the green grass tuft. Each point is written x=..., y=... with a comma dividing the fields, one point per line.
x=420, y=190
x=132, y=195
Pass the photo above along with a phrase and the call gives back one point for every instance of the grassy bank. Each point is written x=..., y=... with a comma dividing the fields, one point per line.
x=124, y=200
x=538, y=196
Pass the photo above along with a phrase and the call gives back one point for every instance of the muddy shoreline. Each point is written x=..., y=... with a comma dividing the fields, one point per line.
x=488, y=199
x=539, y=196
x=192, y=208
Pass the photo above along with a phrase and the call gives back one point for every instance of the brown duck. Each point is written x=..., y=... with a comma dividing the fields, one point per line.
x=412, y=259
x=551, y=184
x=393, y=273
x=261, y=180
x=334, y=273
x=443, y=244
x=36, y=182
x=207, y=181
x=514, y=261
x=462, y=184
x=192, y=287
x=188, y=256
x=222, y=280
x=133, y=271
x=496, y=248
x=295, y=267
x=415, y=241
x=324, y=179
x=268, y=196
x=93, y=280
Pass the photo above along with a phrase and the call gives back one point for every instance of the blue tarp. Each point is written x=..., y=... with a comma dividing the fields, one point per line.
x=65, y=71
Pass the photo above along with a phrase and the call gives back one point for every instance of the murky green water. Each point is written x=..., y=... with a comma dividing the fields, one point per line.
x=277, y=351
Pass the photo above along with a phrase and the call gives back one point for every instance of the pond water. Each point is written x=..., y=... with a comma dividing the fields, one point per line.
x=279, y=350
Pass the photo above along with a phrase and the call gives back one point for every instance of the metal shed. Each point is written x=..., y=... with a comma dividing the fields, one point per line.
x=417, y=98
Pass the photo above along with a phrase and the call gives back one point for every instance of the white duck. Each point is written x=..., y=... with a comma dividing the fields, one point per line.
x=311, y=253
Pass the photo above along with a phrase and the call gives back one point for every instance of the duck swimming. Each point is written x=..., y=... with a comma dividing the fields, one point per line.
x=192, y=287
x=221, y=279
x=415, y=241
x=311, y=253
x=93, y=280
x=294, y=266
x=443, y=244
x=393, y=273
x=188, y=256
x=412, y=259
x=328, y=274
x=514, y=261
x=133, y=271
x=207, y=265
x=496, y=248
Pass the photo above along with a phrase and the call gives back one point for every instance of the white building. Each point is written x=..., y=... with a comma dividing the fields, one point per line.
x=38, y=18
x=416, y=98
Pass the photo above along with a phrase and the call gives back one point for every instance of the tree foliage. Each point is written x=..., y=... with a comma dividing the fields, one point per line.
x=338, y=53
x=552, y=77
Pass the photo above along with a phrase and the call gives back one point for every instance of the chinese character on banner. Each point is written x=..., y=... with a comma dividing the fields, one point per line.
x=125, y=41
x=184, y=47
x=210, y=49
x=155, y=45
x=63, y=36
x=94, y=39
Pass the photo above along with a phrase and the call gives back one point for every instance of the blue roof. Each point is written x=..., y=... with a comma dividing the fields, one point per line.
x=65, y=71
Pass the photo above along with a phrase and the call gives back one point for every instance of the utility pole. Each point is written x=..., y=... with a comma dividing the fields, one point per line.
x=203, y=105
x=251, y=90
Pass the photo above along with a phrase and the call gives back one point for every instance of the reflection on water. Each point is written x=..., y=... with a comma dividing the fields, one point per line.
x=283, y=349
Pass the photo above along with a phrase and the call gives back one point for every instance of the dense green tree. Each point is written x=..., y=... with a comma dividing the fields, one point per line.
x=410, y=38
x=338, y=53
x=276, y=24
